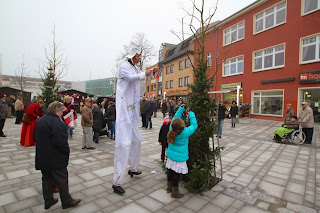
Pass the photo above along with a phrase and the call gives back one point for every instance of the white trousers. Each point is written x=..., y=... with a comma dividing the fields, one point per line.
x=125, y=155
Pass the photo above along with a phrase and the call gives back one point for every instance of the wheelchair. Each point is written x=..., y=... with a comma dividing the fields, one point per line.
x=296, y=136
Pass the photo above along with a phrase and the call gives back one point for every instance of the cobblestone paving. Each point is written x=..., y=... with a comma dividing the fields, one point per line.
x=258, y=175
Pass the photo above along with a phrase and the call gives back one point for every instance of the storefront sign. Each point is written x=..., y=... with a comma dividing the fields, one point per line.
x=310, y=77
x=173, y=91
x=232, y=85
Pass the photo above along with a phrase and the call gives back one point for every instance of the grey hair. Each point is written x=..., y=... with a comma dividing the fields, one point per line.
x=56, y=106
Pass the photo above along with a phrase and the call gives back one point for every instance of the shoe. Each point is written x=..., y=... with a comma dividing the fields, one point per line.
x=71, y=138
x=91, y=148
x=118, y=189
x=84, y=147
x=134, y=173
x=175, y=192
x=219, y=136
x=307, y=142
x=150, y=128
x=55, y=190
x=96, y=142
x=73, y=203
x=48, y=204
x=3, y=136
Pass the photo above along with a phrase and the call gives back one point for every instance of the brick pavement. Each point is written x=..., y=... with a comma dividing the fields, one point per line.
x=259, y=175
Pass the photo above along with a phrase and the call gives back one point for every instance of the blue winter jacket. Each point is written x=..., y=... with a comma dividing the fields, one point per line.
x=178, y=151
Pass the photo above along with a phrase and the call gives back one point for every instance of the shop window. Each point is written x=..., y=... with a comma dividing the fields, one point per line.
x=234, y=33
x=171, y=68
x=310, y=49
x=233, y=66
x=186, y=81
x=181, y=65
x=167, y=84
x=187, y=63
x=271, y=17
x=209, y=59
x=180, y=82
x=310, y=6
x=270, y=58
x=171, y=83
x=167, y=70
x=267, y=102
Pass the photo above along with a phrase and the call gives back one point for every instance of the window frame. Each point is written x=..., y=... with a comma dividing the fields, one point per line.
x=185, y=81
x=167, y=84
x=167, y=70
x=317, y=53
x=209, y=62
x=180, y=82
x=172, y=70
x=264, y=17
x=273, y=53
x=229, y=59
x=312, y=11
x=229, y=28
x=171, y=84
x=260, y=114
x=147, y=88
x=185, y=65
x=181, y=65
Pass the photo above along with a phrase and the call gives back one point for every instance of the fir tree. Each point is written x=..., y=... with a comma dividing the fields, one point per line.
x=50, y=89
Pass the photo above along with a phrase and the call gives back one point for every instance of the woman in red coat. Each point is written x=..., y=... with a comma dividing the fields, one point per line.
x=29, y=121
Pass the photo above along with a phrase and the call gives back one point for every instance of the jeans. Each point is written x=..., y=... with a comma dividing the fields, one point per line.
x=220, y=126
x=233, y=120
x=1, y=126
x=112, y=128
x=70, y=131
x=96, y=136
x=148, y=120
x=309, y=133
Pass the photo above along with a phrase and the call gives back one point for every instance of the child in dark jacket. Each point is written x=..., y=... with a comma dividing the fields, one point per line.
x=163, y=136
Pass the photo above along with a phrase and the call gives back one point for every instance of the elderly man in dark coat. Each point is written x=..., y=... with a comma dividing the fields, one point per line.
x=52, y=156
x=3, y=114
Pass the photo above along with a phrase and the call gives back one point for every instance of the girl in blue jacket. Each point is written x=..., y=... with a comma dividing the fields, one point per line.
x=177, y=152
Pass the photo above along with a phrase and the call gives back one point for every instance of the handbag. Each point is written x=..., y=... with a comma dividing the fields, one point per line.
x=27, y=119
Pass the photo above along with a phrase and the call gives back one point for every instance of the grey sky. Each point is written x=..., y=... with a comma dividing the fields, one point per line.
x=92, y=32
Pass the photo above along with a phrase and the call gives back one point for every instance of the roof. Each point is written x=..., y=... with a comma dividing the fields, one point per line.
x=177, y=50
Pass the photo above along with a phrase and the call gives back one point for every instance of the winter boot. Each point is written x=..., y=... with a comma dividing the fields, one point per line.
x=175, y=192
x=169, y=188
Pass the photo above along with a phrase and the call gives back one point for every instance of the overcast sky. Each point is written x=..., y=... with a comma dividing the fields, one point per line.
x=92, y=32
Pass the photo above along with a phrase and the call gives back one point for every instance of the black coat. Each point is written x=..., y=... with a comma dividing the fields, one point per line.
x=111, y=113
x=98, y=121
x=149, y=109
x=52, y=148
x=163, y=135
x=234, y=111
x=222, y=112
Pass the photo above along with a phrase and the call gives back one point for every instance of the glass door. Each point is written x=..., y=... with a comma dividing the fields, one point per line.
x=312, y=96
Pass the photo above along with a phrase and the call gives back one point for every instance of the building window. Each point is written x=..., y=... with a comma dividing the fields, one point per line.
x=209, y=59
x=186, y=81
x=270, y=58
x=151, y=88
x=171, y=83
x=267, y=102
x=180, y=82
x=310, y=6
x=171, y=68
x=167, y=84
x=234, y=33
x=147, y=88
x=181, y=65
x=167, y=70
x=271, y=17
x=155, y=87
x=187, y=61
x=310, y=49
x=233, y=66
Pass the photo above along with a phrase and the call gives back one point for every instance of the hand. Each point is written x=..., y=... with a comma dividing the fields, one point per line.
x=159, y=143
x=148, y=72
x=183, y=105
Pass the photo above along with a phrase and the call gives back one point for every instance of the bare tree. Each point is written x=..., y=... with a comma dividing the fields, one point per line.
x=21, y=76
x=139, y=41
x=52, y=70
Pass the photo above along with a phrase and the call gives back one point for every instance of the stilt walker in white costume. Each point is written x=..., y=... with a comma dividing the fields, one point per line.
x=128, y=136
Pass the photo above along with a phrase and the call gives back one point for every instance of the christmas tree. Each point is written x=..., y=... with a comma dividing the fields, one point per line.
x=49, y=90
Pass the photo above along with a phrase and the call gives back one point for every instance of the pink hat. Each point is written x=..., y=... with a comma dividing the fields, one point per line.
x=164, y=119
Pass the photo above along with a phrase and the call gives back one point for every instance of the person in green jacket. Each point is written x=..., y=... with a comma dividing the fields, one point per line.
x=177, y=152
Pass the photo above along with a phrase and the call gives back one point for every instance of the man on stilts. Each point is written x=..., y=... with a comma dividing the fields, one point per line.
x=128, y=136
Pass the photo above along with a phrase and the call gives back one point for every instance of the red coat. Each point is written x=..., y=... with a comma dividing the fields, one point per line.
x=27, y=131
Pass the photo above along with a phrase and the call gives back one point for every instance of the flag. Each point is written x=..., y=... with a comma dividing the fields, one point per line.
x=157, y=76
x=69, y=118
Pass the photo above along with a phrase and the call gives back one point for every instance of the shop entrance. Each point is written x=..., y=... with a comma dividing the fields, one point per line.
x=227, y=98
x=312, y=96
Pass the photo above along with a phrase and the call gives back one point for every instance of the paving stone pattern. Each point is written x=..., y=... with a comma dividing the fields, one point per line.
x=258, y=175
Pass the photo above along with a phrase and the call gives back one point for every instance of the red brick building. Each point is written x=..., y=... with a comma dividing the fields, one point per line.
x=272, y=49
